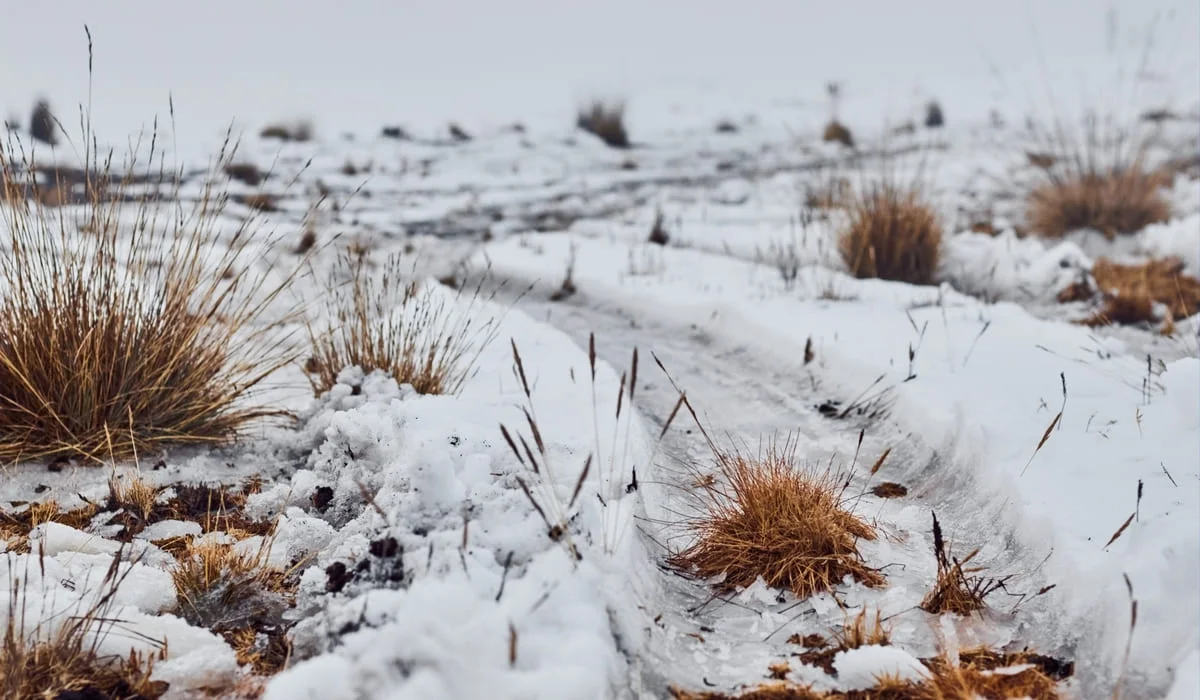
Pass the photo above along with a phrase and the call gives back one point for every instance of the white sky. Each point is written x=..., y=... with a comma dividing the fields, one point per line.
x=357, y=64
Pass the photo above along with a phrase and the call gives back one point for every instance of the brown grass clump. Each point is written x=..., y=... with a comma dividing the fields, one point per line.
x=65, y=662
x=766, y=691
x=300, y=131
x=15, y=527
x=124, y=340
x=977, y=674
x=890, y=489
x=1119, y=201
x=134, y=495
x=837, y=132
x=606, y=121
x=383, y=321
x=893, y=233
x=1100, y=180
x=307, y=241
x=959, y=589
x=248, y=173
x=225, y=590
x=770, y=517
x=259, y=201
x=1130, y=292
x=854, y=634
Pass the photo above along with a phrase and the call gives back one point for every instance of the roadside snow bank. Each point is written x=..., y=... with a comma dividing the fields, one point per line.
x=441, y=580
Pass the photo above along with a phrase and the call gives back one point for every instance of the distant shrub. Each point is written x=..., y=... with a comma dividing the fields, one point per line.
x=42, y=124
x=299, y=131
x=934, y=119
x=1098, y=180
x=837, y=132
x=606, y=121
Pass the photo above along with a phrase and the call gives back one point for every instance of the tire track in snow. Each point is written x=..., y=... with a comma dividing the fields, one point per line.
x=745, y=393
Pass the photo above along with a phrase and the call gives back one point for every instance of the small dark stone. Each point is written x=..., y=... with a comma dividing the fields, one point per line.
x=321, y=498
x=934, y=119
x=385, y=548
x=41, y=488
x=336, y=577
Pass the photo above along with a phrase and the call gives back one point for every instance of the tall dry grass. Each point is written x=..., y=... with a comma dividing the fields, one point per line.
x=893, y=231
x=63, y=659
x=1099, y=177
x=130, y=321
x=388, y=320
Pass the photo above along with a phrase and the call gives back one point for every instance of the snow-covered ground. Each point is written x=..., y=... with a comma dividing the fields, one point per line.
x=429, y=569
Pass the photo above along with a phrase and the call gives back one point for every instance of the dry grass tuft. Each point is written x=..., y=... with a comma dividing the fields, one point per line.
x=837, y=132
x=299, y=131
x=770, y=517
x=854, y=634
x=225, y=590
x=383, y=321
x=977, y=674
x=606, y=121
x=1100, y=180
x=890, y=489
x=307, y=241
x=247, y=173
x=134, y=495
x=959, y=589
x=129, y=338
x=15, y=527
x=259, y=201
x=893, y=232
x=1130, y=293
x=65, y=662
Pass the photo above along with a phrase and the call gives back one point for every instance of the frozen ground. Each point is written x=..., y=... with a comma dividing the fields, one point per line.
x=475, y=599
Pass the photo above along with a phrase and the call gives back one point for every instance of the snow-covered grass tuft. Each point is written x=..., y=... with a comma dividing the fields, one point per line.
x=65, y=658
x=385, y=320
x=233, y=591
x=767, y=516
x=117, y=340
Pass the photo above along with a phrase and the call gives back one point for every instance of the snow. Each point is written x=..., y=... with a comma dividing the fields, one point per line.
x=1187, y=680
x=55, y=538
x=453, y=586
x=860, y=668
x=1123, y=423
